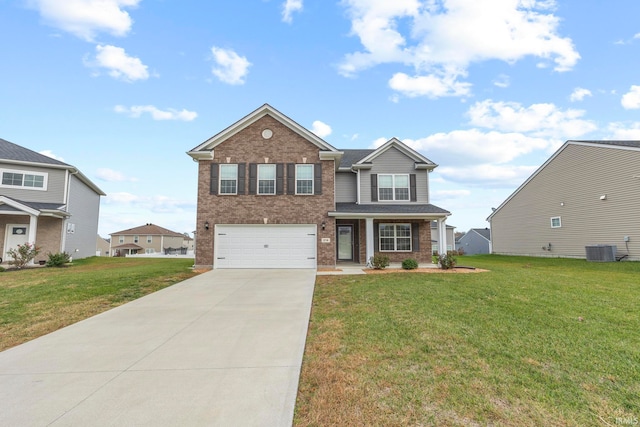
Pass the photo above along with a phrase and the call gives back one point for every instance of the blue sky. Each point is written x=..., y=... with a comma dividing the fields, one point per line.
x=487, y=89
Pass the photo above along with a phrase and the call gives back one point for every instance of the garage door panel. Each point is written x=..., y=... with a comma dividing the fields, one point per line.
x=265, y=246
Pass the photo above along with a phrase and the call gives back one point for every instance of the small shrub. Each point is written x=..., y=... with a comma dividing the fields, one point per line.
x=58, y=260
x=409, y=264
x=447, y=261
x=23, y=254
x=379, y=262
x=2, y=269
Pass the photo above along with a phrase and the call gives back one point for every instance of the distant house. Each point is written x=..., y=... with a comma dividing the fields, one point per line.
x=586, y=194
x=450, y=237
x=146, y=239
x=46, y=202
x=475, y=241
x=188, y=242
x=102, y=246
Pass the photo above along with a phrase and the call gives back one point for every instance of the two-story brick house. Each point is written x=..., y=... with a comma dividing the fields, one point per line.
x=271, y=194
x=46, y=202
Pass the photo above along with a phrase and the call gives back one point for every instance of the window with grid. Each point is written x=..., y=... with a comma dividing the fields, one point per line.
x=228, y=179
x=393, y=187
x=18, y=179
x=304, y=179
x=266, y=179
x=394, y=237
x=149, y=239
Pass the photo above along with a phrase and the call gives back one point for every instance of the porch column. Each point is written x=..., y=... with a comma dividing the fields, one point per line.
x=370, y=244
x=33, y=228
x=442, y=236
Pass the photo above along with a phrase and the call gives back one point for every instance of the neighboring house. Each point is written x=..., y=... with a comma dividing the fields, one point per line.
x=586, y=194
x=188, y=242
x=102, y=246
x=271, y=194
x=146, y=239
x=449, y=242
x=475, y=241
x=46, y=202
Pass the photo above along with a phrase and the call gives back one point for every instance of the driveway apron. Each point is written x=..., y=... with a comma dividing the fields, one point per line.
x=221, y=349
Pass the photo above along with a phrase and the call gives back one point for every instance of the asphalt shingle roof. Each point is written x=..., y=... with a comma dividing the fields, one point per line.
x=632, y=144
x=34, y=205
x=351, y=157
x=11, y=151
x=390, y=209
x=484, y=232
x=149, y=230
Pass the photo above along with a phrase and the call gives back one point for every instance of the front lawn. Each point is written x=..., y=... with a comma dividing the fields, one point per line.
x=553, y=342
x=36, y=301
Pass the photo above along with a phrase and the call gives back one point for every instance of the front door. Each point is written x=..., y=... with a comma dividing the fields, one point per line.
x=17, y=234
x=345, y=243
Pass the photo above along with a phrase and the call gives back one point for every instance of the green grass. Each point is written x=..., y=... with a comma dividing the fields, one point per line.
x=36, y=301
x=532, y=342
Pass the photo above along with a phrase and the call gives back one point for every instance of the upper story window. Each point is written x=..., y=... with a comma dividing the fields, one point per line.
x=266, y=179
x=23, y=179
x=393, y=187
x=136, y=239
x=228, y=179
x=120, y=239
x=304, y=179
x=149, y=239
x=394, y=237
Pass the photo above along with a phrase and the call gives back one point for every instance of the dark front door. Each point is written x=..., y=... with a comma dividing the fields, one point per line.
x=345, y=243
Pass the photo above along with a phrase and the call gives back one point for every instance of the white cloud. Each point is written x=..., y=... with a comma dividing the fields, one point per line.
x=321, y=129
x=49, y=153
x=431, y=86
x=110, y=175
x=624, y=132
x=289, y=7
x=443, y=38
x=86, y=18
x=450, y=194
x=502, y=81
x=136, y=111
x=119, y=65
x=487, y=174
x=229, y=67
x=579, y=94
x=631, y=99
x=540, y=120
x=468, y=147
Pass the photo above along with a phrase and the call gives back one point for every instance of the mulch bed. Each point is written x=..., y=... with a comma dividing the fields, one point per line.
x=456, y=270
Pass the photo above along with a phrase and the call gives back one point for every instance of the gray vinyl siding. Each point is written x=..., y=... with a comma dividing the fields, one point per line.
x=346, y=187
x=577, y=177
x=84, y=207
x=473, y=244
x=394, y=161
x=55, y=185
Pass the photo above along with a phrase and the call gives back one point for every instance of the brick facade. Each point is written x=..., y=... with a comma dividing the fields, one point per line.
x=48, y=234
x=248, y=146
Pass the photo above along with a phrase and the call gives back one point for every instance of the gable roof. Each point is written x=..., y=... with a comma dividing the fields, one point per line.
x=9, y=204
x=205, y=150
x=484, y=232
x=612, y=144
x=148, y=230
x=18, y=155
x=352, y=156
x=421, y=161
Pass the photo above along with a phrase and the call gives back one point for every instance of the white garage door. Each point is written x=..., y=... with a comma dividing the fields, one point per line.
x=265, y=246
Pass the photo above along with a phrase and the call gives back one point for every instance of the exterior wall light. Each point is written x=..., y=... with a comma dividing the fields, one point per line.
x=324, y=225
x=206, y=225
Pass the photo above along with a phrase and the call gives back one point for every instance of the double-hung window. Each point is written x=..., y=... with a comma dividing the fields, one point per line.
x=394, y=237
x=228, y=179
x=393, y=187
x=304, y=179
x=266, y=179
x=28, y=180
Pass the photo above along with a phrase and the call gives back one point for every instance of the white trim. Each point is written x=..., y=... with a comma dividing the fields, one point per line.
x=395, y=237
x=275, y=179
x=19, y=206
x=559, y=218
x=393, y=187
x=313, y=183
x=220, y=193
x=402, y=147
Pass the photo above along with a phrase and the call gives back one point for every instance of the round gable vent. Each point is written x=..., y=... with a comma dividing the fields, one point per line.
x=267, y=133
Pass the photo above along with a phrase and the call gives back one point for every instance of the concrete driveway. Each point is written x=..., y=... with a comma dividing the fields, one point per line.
x=221, y=349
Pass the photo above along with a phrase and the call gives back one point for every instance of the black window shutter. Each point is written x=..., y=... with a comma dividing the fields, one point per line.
x=280, y=178
x=317, y=178
x=213, y=185
x=374, y=187
x=291, y=178
x=415, y=236
x=376, y=234
x=241, y=180
x=412, y=187
x=253, y=177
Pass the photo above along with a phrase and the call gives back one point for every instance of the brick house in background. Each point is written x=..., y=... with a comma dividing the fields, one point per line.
x=146, y=239
x=271, y=194
x=46, y=202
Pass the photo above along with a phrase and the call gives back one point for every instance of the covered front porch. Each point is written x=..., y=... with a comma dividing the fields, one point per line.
x=396, y=231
